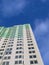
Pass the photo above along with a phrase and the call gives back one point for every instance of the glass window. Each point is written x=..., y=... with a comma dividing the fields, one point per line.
x=8, y=53
x=19, y=48
x=34, y=56
x=31, y=48
x=31, y=51
x=8, y=57
x=30, y=44
x=19, y=51
x=5, y=63
x=35, y=61
x=5, y=57
x=31, y=62
x=1, y=49
x=31, y=56
x=16, y=62
x=16, y=56
x=1, y=53
x=20, y=56
x=20, y=62
x=2, y=46
x=16, y=51
x=29, y=41
x=10, y=45
x=19, y=44
x=0, y=57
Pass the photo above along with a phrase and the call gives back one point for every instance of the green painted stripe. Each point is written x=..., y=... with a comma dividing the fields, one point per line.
x=13, y=32
x=20, y=32
x=8, y=34
x=27, y=26
x=3, y=32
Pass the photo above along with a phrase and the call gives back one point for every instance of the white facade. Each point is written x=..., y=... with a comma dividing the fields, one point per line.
x=18, y=46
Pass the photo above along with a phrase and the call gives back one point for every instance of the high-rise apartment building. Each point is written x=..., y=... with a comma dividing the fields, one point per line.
x=18, y=46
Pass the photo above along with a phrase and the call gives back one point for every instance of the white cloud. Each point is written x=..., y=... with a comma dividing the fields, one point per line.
x=12, y=7
x=42, y=35
x=42, y=27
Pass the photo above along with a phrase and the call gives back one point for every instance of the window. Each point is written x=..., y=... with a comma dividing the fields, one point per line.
x=19, y=41
x=19, y=48
x=16, y=62
x=5, y=63
x=5, y=57
x=29, y=41
x=10, y=45
x=31, y=51
x=1, y=49
x=16, y=51
x=9, y=49
x=20, y=56
x=31, y=56
x=2, y=46
x=35, y=61
x=19, y=51
x=8, y=57
x=16, y=56
x=19, y=44
x=5, y=41
x=0, y=57
x=8, y=53
x=29, y=38
x=20, y=62
x=34, y=56
x=31, y=62
x=30, y=44
x=31, y=48
x=1, y=53
x=10, y=42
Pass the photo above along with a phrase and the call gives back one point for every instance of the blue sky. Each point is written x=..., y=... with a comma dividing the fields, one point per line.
x=35, y=12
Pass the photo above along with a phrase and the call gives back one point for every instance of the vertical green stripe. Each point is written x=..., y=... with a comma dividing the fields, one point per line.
x=13, y=32
x=8, y=34
x=2, y=33
x=20, y=31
